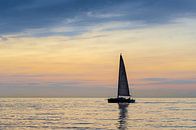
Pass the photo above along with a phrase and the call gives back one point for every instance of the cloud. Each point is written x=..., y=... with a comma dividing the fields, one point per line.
x=2, y=38
x=104, y=15
x=76, y=17
x=45, y=79
x=92, y=57
x=170, y=81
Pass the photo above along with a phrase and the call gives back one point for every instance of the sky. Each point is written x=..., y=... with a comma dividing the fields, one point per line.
x=71, y=48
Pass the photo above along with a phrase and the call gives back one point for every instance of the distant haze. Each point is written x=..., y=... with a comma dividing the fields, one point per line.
x=67, y=48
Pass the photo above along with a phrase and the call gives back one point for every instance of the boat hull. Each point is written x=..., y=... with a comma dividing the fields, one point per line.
x=120, y=100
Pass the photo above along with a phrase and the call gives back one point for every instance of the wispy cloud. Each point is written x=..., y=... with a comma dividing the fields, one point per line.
x=104, y=15
x=2, y=38
x=170, y=81
x=76, y=17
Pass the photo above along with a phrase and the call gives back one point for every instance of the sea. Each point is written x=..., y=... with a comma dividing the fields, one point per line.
x=97, y=114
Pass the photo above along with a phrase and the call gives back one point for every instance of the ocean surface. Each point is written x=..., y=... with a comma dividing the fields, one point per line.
x=96, y=113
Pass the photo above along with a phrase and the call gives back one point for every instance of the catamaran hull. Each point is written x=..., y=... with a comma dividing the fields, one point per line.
x=120, y=100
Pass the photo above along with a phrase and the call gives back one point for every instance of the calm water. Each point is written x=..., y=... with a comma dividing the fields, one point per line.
x=96, y=113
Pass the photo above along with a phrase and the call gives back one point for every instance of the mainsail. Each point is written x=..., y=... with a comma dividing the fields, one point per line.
x=123, y=86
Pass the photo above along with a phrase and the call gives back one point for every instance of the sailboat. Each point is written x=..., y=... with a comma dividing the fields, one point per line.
x=123, y=95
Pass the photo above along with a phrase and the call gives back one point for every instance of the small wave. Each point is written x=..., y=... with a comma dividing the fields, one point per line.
x=81, y=123
x=180, y=109
x=176, y=126
x=168, y=102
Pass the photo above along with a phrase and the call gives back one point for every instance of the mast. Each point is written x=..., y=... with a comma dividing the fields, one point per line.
x=123, y=86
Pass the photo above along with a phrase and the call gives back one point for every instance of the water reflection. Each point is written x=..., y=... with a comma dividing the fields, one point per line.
x=123, y=115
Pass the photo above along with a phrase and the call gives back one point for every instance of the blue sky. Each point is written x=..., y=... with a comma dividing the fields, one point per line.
x=81, y=15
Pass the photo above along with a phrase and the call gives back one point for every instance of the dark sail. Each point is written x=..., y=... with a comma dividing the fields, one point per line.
x=123, y=87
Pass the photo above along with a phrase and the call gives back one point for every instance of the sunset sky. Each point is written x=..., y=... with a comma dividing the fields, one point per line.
x=71, y=48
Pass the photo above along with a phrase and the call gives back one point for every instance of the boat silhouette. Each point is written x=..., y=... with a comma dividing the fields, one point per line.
x=123, y=95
